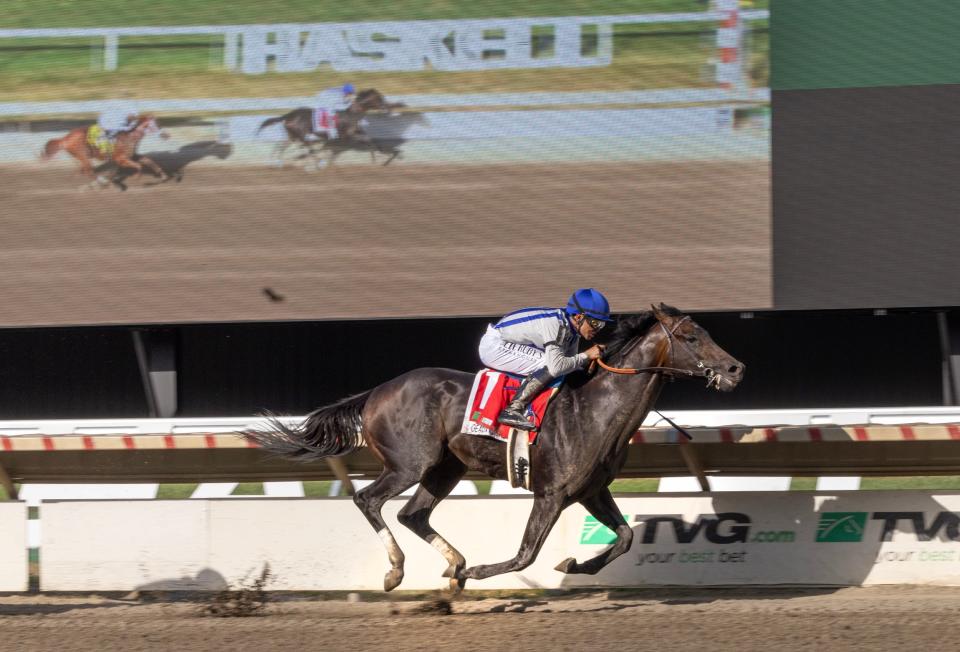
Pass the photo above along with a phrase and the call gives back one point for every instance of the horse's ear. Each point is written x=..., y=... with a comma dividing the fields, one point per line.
x=658, y=313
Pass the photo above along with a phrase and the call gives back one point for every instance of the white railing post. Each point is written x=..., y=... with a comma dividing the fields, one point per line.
x=110, y=42
x=729, y=43
x=230, y=41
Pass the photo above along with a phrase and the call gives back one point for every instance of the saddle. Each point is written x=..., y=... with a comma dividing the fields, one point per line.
x=491, y=392
x=97, y=138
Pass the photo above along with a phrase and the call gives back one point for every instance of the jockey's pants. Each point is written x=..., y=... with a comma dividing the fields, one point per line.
x=497, y=353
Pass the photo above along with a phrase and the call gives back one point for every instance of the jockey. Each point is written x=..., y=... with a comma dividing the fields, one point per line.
x=118, y=119
x=329, y=101
x=541, y=344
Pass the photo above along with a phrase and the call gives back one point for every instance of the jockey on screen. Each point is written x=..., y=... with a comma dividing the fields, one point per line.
x=541, y=344
x=329, y=101
x=117, y=119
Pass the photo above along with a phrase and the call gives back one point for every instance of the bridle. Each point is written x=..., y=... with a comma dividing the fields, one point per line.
x=702, y=370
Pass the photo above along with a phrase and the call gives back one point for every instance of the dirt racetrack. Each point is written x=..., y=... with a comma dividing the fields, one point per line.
x=874, y=618
x=236, y=243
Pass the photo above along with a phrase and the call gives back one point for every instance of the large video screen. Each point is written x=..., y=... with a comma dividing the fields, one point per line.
x=325, y=160
x=865, y=144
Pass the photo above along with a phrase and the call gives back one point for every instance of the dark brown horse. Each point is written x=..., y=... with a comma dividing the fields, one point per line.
x=299, y=123
x=412, y=423
x=123, y=152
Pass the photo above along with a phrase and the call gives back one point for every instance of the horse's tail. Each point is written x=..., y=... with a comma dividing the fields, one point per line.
x=51, y=148
x=330, y=431
x=272, y=121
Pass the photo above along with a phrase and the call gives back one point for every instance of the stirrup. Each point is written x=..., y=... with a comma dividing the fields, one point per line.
x=515, y=419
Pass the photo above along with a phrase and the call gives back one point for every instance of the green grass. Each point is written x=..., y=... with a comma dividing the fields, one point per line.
x=176, y=491
x=635, y=486
x=123, y=13
x=936, y=482
x=678, y=60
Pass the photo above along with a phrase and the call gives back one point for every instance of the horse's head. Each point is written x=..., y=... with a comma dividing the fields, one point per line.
x=147, y=124
x=370, y=99
x=672, y=342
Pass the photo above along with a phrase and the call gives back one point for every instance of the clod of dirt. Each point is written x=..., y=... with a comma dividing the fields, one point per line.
x=244, y=601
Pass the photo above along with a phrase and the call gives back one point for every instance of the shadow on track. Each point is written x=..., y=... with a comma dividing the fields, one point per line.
x=173, y=163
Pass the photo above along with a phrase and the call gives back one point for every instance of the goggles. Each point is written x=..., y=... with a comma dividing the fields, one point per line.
x=595, y=324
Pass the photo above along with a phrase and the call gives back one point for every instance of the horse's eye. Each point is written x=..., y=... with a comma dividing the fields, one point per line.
x=691, y=339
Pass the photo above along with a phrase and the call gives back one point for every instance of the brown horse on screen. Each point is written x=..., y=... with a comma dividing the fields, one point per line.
x=122, y=152
x=412, y=424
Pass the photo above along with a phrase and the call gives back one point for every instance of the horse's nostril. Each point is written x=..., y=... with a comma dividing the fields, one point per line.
x=733, y=369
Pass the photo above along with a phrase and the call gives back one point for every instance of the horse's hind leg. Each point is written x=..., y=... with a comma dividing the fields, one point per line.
x=415, y=515
x=605, y=510
x=370, y=500
x=278, y=151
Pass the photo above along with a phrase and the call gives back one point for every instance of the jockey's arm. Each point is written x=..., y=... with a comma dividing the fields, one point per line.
x=560, y=349
x=560, y=363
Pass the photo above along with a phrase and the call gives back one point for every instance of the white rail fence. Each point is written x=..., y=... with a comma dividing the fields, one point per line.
x=710, y=418
x=414, y=101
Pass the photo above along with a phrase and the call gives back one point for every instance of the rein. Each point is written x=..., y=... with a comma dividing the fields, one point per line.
x=673, y=371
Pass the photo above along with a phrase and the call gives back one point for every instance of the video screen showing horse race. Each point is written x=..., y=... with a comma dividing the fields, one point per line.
x=325, y=160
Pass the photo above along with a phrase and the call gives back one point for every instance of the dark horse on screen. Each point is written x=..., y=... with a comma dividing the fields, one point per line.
x=412, y=424
x=300, y=129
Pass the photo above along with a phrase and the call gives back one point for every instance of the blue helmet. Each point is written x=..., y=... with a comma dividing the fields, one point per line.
x=589, y=302
x=348, y=89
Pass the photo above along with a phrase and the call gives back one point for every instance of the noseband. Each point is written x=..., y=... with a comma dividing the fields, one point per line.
x=670, y=371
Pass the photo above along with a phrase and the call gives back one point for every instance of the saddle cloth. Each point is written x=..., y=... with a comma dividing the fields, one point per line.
x=324, y=120
x=491, y=392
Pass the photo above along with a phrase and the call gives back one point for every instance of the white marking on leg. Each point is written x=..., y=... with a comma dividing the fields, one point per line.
x=393, y=550
x=451, y=554
x=442, y=546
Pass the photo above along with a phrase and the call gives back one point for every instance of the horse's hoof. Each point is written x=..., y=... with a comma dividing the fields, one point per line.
x=568, y=565
x=452, y=571
x=392, y=579
x=456, y=584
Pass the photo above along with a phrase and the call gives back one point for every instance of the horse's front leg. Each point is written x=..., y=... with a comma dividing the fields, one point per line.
x=546, y=510
x=605, y=510
x=124, y=162
x=156, y=169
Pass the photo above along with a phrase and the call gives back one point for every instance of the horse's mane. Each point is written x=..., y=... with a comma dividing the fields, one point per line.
x=629, y=327
x=615, y=339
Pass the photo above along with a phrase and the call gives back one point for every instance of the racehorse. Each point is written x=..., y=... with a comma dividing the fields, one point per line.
x=299, y=123
x=412, y=424
x=123, y=153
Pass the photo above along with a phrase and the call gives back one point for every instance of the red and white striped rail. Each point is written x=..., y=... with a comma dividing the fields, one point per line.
x=727, y=435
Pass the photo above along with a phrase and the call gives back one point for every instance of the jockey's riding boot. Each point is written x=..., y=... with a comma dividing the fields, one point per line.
x=513, y=415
